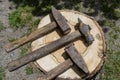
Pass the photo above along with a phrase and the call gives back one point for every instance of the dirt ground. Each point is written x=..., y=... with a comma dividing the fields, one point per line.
x=5, y=35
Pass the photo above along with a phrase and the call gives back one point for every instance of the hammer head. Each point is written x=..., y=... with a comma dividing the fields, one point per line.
x=85, y=30
x=76, y=58
x=61, y=21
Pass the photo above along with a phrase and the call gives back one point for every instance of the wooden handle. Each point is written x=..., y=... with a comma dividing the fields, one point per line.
x=57, y=70
x=34, y=35
x=43, y=51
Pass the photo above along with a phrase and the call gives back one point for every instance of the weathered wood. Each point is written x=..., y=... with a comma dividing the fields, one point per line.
x=34, y=35
x=57, y=70
x=76, y=57
x=43, y=51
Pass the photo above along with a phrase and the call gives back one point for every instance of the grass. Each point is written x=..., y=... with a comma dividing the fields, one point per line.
x=12, y=39
x=112, y=66
x=112, y=24
x=29, y=70
x=24, y=51
x=115, y=36
x=2, y=73
x=34, y=24
x=22, y=17
x=27, y=11
x=2, y=27
x=117, y=13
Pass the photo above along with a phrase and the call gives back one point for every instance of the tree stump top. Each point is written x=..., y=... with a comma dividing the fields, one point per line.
x=93, y=55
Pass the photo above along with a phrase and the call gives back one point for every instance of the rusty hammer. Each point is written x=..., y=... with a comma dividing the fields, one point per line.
x=85, y=31
x=60, y=21
x=47, y=49
x=76, y=59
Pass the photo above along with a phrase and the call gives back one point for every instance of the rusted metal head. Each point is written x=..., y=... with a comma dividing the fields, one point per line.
x=85, y=30
x=76, y=57
x=61, y=21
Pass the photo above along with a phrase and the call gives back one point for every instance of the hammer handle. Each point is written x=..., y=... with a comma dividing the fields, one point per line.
x=43, y=51
x=34, y=35
x=57, y=70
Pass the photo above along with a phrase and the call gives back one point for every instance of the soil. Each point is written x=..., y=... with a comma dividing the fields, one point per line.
x=5, y=35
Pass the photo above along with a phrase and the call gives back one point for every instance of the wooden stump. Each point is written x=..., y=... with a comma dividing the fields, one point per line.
x=92, y=55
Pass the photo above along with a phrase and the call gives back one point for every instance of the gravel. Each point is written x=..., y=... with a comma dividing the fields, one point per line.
x=5, y=35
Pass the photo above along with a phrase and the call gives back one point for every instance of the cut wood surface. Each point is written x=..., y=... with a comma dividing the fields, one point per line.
x=92, y=55
x=57, y=70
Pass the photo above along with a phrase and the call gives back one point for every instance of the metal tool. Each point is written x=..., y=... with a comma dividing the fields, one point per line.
x=45, y=50
x=76, y=59
x=59, y=21
x=86, y=32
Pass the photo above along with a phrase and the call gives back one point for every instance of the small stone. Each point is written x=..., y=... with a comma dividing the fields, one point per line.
x=106, y=29
x=9, y=30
